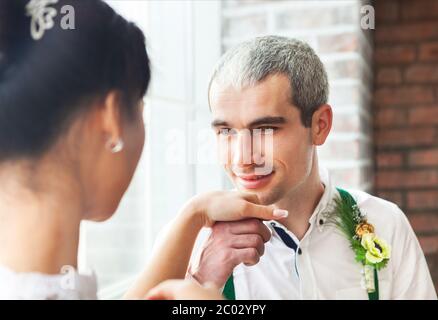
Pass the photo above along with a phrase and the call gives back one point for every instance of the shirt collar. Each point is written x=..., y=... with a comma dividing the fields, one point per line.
x=321, y=210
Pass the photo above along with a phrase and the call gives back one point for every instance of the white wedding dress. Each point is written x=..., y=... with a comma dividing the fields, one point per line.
x=38, y=286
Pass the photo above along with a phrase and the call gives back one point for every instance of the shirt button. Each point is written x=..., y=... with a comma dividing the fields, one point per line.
x=321, y=222
x=300, y=251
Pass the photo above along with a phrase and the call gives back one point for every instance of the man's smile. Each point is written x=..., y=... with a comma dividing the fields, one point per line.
x=253, y=181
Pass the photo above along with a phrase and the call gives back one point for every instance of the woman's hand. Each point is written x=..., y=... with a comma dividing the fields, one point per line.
x=172, y=254
x=231, y=206
x=183, y=290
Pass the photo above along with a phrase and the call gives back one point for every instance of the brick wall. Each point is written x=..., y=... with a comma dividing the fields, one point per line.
x=406, y=114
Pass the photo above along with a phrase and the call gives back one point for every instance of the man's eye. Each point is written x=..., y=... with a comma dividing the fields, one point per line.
x=267, y=129
x=224, y=131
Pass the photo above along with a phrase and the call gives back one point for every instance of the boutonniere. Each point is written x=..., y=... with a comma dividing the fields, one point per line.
x=370, y=250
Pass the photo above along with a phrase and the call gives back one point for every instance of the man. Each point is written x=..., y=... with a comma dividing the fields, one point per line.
x=279, y=84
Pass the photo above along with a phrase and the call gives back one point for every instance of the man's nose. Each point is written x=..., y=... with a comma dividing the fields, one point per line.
x=242, y=151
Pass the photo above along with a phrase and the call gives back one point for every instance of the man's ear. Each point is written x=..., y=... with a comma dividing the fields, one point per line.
x=321, y=124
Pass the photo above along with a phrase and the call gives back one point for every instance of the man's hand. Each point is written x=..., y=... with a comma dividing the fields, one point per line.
x=230, y=244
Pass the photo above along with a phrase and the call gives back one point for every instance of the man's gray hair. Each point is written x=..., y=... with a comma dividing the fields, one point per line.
x=252, y=61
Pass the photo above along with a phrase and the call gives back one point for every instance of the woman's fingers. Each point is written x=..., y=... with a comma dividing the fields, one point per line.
x=260, y=211
x=251, y=197
x=251, y=210
x=233, y=206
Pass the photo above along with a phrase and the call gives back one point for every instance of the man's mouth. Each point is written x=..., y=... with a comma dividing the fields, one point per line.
x=253, y=181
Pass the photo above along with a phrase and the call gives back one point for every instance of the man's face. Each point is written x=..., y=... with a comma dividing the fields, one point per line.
x=287, y=153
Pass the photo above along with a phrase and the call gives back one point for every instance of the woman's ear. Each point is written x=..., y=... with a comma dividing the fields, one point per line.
x=321, y=124
x=111, y=117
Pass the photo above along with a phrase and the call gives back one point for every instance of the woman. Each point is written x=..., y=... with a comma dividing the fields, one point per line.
x=71, y=135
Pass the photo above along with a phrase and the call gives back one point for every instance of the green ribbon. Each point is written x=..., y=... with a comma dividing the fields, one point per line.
x=375, y=295
x=230, y=293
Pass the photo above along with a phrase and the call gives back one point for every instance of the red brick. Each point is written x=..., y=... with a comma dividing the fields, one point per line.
x=393, y=196
x=388, y=76
x=429, y=244
x=421, y=73
x=389, y=159
x=428, y=51
x=387, y=11
x=404, y=95
x=422, y=199
x=424, y=222
x=404, y=79
x=423, y=158
x=409, y=32
x=419, y=9
x=432, y=261
x=414, y=137
x=423, y=115
x=407, y=179
x=390, y=117
x=394, y=54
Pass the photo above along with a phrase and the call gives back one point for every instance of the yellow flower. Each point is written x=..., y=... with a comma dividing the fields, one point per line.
x=377, y=249
x=363, y=228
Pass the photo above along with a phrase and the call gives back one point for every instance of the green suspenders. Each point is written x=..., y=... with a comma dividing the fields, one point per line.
x=230, y=293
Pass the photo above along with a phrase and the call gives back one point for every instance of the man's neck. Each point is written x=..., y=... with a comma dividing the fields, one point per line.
x=301, y=203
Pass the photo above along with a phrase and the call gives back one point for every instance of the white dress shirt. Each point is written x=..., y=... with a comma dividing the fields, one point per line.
x=323, y=266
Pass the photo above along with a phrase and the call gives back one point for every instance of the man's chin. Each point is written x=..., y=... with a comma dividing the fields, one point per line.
x=265, y=197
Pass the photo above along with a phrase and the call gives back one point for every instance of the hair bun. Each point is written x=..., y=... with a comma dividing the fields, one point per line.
x=14, y=27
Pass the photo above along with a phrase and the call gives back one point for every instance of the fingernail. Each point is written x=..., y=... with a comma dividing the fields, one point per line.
x=280, y=213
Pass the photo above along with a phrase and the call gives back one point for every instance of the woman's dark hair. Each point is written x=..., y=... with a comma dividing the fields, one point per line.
x=45, y=83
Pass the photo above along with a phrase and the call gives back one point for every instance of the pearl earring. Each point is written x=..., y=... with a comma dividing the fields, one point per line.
x=115, y=147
